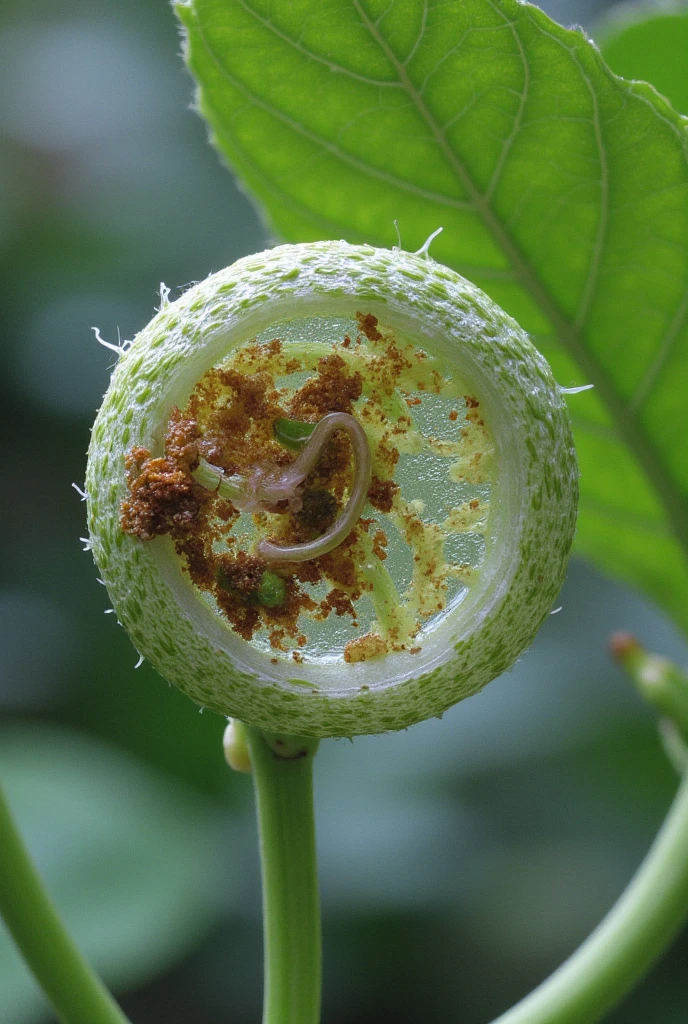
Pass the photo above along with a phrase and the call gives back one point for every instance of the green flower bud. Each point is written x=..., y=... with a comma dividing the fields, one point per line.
x=235, y=747
x=293, y=433
x=416, y=602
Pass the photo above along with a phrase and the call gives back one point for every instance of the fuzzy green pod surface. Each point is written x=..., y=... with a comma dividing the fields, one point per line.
x=461, y=547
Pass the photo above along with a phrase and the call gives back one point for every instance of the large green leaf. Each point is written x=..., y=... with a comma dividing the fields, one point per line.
x=132, y=861
x=649, y=41
x=562, y=190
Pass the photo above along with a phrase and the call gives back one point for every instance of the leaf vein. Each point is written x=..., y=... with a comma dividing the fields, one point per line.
x=421, y=32
x=329, y=64
x=348, y=158
x=654, y=371
x=518, y=120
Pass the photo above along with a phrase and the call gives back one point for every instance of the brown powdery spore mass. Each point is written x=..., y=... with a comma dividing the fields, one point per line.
x=381, y=493
x=363, y=648
x=164, y=497
x=334, y=389
x=229, y=422
x=368, y=325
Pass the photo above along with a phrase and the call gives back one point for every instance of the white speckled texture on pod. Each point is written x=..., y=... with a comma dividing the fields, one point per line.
x=533, y=506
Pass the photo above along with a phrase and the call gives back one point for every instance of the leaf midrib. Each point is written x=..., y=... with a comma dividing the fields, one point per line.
x=570, y=333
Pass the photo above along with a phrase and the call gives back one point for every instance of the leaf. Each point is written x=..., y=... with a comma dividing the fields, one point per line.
x=562, y=190
x=649, y=41
x=130, y=860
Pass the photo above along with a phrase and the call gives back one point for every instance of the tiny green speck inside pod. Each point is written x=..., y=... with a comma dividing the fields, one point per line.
x=378, y=418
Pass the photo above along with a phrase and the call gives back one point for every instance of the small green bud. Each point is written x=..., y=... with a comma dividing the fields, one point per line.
x=272, y=590
x=292, y=433
x=235, y=746
x=657, y=679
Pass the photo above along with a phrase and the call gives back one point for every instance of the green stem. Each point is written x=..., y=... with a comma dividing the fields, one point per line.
x=626, y=943
x=283, y=779
x=76, y=993
x=390, y=611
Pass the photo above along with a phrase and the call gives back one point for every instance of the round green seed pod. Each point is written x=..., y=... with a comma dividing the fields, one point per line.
x=410, y=312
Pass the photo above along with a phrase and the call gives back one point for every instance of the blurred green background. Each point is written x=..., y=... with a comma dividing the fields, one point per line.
x=460, y=861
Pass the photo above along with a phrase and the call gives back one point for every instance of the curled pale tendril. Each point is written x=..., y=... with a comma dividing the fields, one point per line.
x=269, y=484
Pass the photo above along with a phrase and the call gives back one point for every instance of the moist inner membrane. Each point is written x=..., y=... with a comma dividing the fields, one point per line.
x=416, y=550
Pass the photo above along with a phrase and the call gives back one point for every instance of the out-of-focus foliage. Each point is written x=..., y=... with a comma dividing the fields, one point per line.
x=133, y=861
x=461, y=860
x=649, y=41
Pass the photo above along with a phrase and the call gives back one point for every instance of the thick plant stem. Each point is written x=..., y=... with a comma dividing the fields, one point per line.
x=76, y=993
x=627, y=942
x=283, y=779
